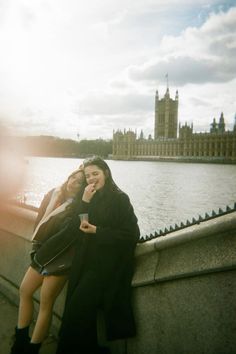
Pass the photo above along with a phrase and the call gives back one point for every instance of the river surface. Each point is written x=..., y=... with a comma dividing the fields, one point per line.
x=162, y=193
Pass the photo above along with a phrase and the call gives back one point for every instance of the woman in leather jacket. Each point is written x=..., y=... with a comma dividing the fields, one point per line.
x=102, y=269
x=51, y=258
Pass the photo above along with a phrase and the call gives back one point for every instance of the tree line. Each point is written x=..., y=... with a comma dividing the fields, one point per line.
x=50, y=146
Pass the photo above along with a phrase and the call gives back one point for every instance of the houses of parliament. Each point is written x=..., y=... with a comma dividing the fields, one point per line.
x=173, y=141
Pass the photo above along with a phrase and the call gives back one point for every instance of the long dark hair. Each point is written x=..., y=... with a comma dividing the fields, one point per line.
x=81, y=190
x=110, y=184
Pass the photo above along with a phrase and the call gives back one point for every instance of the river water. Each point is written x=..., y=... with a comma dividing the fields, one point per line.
x=162, y=193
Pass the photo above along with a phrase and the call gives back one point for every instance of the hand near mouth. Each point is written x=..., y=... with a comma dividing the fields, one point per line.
x=89, y=192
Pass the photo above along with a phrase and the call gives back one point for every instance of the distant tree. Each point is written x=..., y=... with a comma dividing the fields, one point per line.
x=95, y=147
x=44, y=145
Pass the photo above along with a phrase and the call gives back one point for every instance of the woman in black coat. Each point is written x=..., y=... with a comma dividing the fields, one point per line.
x=51, y=258
x=102, y=269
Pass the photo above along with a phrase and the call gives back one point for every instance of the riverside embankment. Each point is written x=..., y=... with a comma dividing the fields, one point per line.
x=184, y=286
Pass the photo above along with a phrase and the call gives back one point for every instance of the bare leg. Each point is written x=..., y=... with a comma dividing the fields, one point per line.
x=30, y=283
x=51, y=288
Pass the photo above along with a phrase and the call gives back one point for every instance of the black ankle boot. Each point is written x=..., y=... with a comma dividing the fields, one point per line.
x=21, y=340
x=33, y=348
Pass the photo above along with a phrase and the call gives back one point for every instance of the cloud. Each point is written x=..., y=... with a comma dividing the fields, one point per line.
x=103, y=125
x=108, y=111
x=184, y=69
x=196, y=56
x=94, y=66
x=113, y=104
x=195, y=101
x=200, y=104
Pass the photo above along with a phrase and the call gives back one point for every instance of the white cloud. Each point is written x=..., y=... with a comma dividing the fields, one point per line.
x=196, y=56
x=94, y=66
x=113, y=104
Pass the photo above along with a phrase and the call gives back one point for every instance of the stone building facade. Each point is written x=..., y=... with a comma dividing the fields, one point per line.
x=166, y=116
x=215, y=145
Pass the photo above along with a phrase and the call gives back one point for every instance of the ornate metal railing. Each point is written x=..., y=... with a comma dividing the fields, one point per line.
x=195, y=221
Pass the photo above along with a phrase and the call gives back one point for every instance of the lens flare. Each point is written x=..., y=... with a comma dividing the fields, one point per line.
x=13, y=168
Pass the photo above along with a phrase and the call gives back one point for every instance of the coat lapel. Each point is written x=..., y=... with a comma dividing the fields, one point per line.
x=50, y=211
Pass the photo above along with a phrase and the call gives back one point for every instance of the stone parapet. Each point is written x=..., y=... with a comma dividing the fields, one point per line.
x=184, y=286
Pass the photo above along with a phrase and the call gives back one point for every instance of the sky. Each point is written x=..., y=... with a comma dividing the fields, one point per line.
x=81, y=69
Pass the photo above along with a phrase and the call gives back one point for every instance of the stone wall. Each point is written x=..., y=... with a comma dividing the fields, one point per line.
x=184, y=287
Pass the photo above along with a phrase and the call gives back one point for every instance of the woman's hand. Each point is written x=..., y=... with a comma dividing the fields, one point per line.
x=88, y=228
x=89, y=192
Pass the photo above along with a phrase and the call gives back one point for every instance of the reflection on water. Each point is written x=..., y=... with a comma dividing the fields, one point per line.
x=162, y=193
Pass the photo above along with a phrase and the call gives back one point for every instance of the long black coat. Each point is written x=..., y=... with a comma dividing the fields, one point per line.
x=109, y=256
